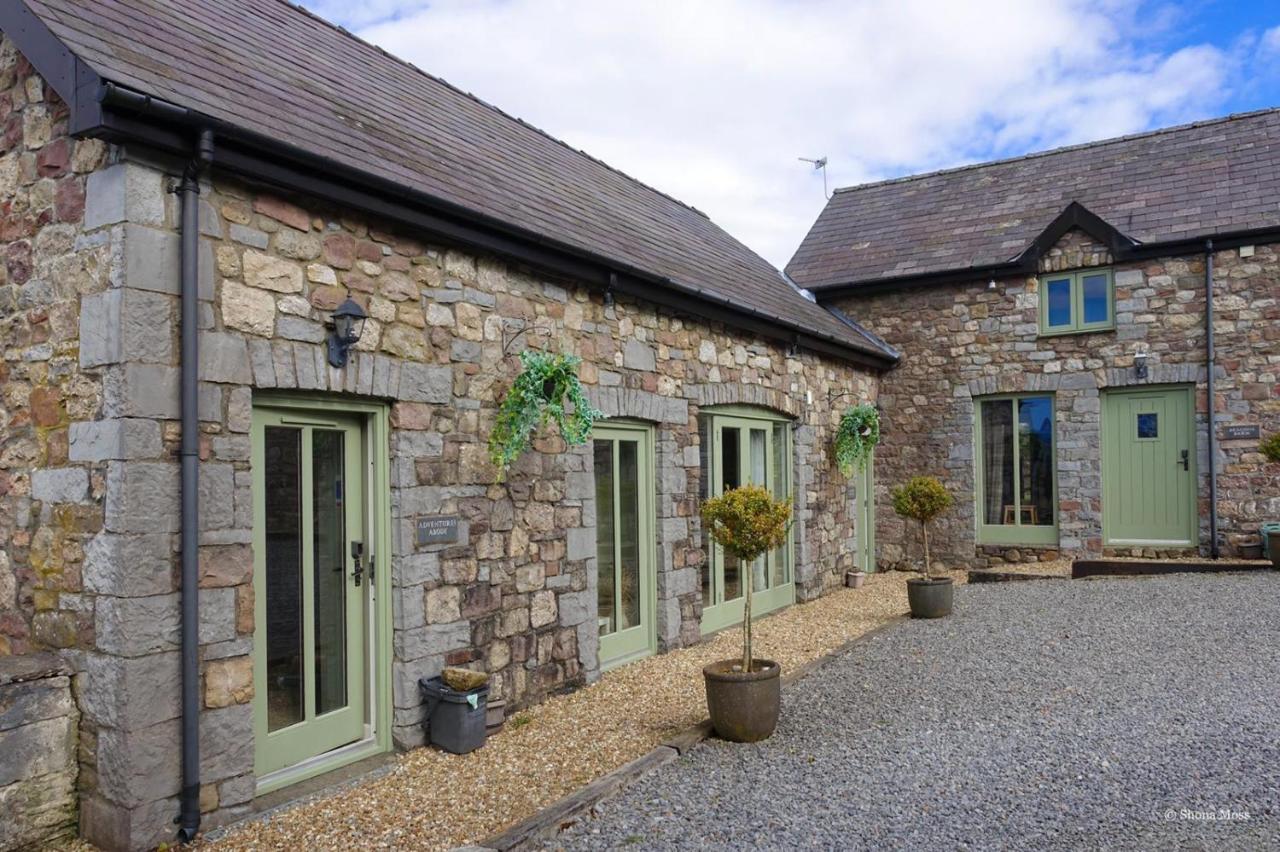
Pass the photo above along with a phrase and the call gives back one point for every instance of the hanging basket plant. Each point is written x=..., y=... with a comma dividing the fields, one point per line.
x=858, y=433
x=546, y=390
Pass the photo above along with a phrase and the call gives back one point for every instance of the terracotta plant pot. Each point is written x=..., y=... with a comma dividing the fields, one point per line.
x=929, y=598
x=855, y=579
x=744, y=706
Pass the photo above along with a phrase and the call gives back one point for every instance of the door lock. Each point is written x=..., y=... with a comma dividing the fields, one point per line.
x=357, y=553
x=1185, y=460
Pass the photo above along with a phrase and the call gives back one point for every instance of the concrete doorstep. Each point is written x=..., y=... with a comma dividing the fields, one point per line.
x=557, y=817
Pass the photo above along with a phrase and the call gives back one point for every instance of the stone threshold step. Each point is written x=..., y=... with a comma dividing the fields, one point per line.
x=1149, y=567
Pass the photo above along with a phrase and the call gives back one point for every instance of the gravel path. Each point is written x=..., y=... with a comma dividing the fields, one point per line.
x=1119, y=713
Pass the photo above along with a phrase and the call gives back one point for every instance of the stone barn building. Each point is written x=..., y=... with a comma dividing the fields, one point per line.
x=191, y=191
x=236, y=536
x=1090, y=341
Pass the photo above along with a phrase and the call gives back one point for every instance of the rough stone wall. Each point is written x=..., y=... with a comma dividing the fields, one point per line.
x=963, y=341
x=515, y=596
x=38, y=721
x=50, y=497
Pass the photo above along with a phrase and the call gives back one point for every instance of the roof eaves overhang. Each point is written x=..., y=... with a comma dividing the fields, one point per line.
x=1025, y=263
x=104, y=109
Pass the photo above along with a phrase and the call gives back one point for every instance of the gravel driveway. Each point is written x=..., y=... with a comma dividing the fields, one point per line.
x=1118, y=713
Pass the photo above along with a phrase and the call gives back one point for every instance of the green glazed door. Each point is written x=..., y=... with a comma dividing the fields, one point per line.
x=747, y=452
x=310, y=582
x=625, y=542
x=1149, y=467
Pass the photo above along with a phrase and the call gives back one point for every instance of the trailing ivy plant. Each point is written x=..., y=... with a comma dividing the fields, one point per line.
x=546, y=390
x=1271, y=447
x=858, y=433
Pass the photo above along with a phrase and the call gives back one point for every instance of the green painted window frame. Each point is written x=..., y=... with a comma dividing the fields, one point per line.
x=1017, y=533
x=379, y=699
x=638, y=642
x=721, y=613
x=1077, y=324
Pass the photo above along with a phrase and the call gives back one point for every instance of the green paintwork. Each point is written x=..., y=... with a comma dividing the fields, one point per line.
x=1016, y=533
x=363, y=726
x=1148, y=498
x=745, y=421
x=1077, y=324
x=866, y=515
x=641, y=640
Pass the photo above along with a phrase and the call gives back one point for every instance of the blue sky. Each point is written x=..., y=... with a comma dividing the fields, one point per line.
x=715, y=101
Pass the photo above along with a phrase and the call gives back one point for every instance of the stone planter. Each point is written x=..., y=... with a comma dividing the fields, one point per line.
x=744, y=706
x=855, y=579
x=928, y=597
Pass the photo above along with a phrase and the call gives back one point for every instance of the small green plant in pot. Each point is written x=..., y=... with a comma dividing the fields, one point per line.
x=743, y=695
x=922, y=499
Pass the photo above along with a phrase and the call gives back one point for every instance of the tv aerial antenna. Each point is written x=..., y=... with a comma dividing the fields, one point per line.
x=819, y=165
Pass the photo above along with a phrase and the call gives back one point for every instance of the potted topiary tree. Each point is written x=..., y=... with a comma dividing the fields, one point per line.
x=743, y=695
x=922, y=499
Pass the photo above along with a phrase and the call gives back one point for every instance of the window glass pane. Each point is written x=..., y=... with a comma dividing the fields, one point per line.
x=283, y=494
x=759, y=476
x=1097, y=305
x=1058, y=309
x=603, y=459
x=1035, y=460
x=997, y=462
x=329, y=543
x=778, y=575
x=1149, y=425
x=730, y=458
x=629, y=520
x=704, y=491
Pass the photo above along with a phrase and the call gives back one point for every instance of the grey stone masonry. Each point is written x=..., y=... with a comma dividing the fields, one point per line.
x=38, y=740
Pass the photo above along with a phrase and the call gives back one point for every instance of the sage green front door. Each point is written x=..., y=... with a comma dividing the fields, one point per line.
x=747, y=451
x=1149, y=467
x=310, y=582
x=625, y=542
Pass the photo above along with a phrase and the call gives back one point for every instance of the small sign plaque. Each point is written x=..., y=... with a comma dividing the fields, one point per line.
x=1241, y=433
x=437, y=529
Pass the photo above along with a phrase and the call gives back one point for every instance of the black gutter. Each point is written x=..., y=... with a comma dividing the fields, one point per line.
x=1210, y=357
x=189, y=192
x=283, y=166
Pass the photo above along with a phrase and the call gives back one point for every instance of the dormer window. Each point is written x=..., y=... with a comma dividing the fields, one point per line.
x=1076, y=302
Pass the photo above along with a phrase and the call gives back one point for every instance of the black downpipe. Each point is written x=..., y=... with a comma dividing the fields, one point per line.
x=189, y=192
x=1210, y=356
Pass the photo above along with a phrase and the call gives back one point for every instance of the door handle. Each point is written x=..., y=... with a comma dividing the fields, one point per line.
x=1185, y=460
x=357, y=552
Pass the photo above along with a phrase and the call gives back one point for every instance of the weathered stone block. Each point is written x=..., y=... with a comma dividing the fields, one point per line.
x=217, y=615
x=426, y=383
x=580, y=544
x=228, y=682
x=60, y=485
x=129, y=565
x=226, y=742
x=272, y=273
x=142, y=497
x=141, y=390
x=140, y=766
x=224, y=358
x=248, y=309
x=434, y=639
x=124, y=192
x=131, y=693
x=131, y=627
x=104, y=440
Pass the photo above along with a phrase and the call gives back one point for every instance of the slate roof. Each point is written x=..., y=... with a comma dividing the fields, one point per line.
x=275, y=69
x=1196, y=180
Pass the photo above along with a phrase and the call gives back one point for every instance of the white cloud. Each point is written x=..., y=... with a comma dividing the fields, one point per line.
x=714, y=101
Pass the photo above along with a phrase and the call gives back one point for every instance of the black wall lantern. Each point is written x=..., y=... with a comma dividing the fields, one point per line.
x=344, y=331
